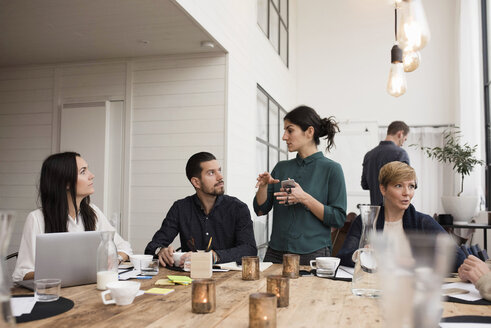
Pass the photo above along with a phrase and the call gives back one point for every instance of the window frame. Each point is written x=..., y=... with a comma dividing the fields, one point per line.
x=270, y=146
x=282, y=22
x=487, y=114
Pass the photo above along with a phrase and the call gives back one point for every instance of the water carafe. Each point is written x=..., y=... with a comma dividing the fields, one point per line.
x=6, y=225
x=364, y=281
x=107, y=260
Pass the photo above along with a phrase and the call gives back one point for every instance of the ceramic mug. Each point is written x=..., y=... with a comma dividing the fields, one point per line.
x=325, y=266
x=137, y=258
x=122, y=292
x=177, y=258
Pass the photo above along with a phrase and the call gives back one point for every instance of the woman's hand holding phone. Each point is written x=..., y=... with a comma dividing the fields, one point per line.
x=290, y=193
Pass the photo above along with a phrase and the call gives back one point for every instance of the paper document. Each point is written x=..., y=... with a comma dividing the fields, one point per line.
x=344, y=272
x=462, y=325
x=473, y=294
x=22, y=305
x=235, y=267
x=129, y=275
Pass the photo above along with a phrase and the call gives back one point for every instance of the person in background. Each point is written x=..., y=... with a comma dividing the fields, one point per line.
x=478, y=273
x=303, y=214
x=65, y=187
x=397, y=183
x=388, y=150
x=207, y=220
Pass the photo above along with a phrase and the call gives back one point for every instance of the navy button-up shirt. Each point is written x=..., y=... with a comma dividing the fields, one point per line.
x=228, y=223
x=385, y=152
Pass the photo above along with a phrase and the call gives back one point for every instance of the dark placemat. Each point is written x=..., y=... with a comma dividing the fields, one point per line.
x=313, y=272
x=482, y=301
x=468, y=318
x=42, y=310
x=174, y=268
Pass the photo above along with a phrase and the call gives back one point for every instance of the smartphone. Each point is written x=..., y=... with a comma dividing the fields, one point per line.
x=290, y=183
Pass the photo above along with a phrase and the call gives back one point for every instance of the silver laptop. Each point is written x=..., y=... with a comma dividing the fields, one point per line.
x=69, y=256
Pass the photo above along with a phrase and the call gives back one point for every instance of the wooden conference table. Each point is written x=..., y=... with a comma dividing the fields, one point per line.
x=314, y=302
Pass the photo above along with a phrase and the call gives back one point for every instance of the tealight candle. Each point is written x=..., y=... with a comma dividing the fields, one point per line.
x=280, y=286
x=203, y=299
x=262, y=310
x=250, y=268
x=291, y=265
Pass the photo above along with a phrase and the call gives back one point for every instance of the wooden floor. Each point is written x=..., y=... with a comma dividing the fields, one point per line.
x=314, y=302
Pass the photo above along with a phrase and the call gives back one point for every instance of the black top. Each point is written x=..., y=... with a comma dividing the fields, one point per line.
x=384, y=153
x=412, y=220
x=229, y=223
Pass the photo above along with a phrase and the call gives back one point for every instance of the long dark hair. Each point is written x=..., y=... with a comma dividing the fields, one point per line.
x=305, y=116
x=59, y=174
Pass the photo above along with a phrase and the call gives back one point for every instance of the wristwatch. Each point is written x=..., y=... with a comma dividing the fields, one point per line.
x=157, y=251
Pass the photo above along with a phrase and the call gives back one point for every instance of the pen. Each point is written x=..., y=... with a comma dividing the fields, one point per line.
x=143, y=277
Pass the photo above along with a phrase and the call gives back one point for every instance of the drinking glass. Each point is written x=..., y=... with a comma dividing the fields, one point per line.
x=410, y=275
x=6, y=226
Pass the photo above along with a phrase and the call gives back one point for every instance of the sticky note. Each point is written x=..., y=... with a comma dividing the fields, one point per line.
x=164, y=282
x=159, y=291
x=182, y=280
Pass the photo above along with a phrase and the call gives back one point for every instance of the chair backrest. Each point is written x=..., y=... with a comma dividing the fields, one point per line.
x=338, y=235
x=10, y=261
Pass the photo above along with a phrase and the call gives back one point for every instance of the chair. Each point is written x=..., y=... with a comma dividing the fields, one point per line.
x=11, y=264
x=338, y=235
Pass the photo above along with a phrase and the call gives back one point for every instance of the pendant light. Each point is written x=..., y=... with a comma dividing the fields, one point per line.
x=414, y=33
x=411, y=60
x=396, y=86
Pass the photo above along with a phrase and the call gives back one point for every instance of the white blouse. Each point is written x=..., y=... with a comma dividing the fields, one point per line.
x=35, y=226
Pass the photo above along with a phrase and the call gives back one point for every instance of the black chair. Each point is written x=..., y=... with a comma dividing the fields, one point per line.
x=10, y=256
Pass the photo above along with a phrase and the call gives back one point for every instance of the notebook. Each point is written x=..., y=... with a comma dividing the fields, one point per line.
x=69, y=256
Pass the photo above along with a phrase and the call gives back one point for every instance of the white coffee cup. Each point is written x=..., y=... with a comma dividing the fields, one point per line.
x=137, y=258
x=177, y=258
x=122, y=292
x=325, y=266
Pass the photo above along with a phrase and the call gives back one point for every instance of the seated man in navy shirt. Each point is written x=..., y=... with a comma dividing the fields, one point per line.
x=204, y=216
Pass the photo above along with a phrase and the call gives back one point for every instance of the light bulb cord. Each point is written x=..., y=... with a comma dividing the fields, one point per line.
x=395, y=21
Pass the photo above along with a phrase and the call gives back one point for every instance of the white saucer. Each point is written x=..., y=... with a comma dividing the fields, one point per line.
x=460, y=222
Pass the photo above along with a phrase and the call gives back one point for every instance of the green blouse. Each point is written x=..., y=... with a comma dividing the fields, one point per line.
x=295, y=228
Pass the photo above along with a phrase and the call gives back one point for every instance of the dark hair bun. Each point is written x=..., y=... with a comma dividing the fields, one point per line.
x=329, y=127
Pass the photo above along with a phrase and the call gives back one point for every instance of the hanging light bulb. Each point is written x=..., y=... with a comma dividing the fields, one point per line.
x=413, y=32
x=411, y=60
x=396, y=86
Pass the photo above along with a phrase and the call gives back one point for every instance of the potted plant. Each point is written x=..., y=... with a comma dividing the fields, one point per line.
x=463, y=161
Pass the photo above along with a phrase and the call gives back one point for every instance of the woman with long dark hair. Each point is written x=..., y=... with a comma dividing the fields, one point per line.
x=304, y=213
x=65, y=187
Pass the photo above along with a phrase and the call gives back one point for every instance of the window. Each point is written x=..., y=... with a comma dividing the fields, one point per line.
x=272, y=17
x=486, y=12
x=269, y=150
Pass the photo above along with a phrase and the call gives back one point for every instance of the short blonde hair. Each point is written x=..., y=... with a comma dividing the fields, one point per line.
x=394, y=172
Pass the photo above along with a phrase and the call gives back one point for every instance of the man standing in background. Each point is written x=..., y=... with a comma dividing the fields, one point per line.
x=388, y=150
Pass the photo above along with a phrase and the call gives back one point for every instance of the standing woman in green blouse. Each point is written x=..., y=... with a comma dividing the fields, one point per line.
x=303, y=215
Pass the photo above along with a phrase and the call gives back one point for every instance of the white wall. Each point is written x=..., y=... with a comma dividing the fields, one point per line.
x=26, y=102
x=251, y=60
x=343, y=52
x=178, y=110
